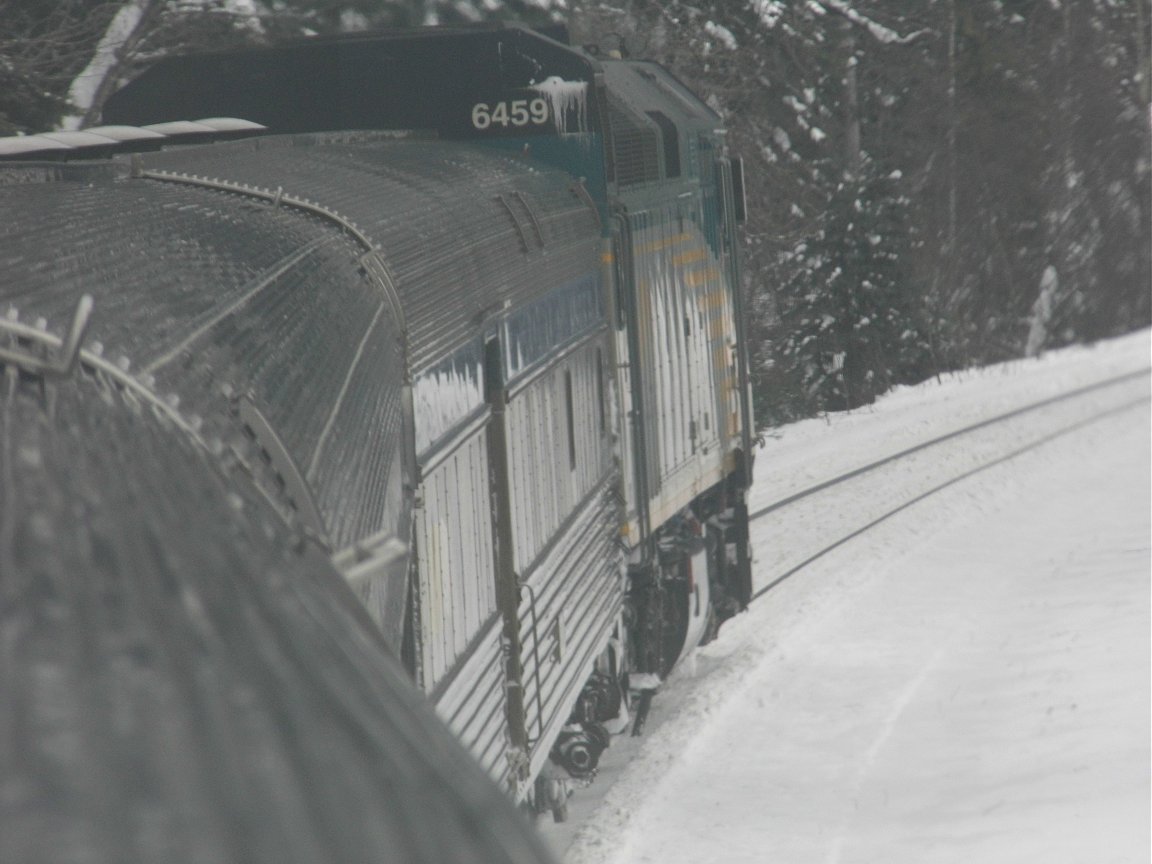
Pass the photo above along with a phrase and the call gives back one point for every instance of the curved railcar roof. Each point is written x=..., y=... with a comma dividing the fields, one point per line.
x=223, y=297
x=180, y=683
x=214, y=298
x=465, y=232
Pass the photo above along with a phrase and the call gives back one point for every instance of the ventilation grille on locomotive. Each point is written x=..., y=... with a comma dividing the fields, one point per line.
x=635, y=148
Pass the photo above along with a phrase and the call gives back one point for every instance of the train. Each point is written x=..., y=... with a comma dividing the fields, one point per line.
x=392, y=369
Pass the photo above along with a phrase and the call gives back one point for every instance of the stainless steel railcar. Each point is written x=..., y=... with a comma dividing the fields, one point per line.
x=184, y=674
x=492, y=364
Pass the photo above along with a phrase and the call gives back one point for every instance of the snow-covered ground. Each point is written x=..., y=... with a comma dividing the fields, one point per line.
x=970, y=681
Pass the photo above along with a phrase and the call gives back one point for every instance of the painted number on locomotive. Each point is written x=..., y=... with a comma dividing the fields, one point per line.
x=518, y=112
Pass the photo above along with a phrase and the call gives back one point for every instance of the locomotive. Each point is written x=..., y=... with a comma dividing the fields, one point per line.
x=424, y=344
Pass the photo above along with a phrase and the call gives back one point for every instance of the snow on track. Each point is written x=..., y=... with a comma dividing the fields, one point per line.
x=802, y=454
x=968, y=682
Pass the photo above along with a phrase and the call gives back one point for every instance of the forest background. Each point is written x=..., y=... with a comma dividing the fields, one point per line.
x=932, y=184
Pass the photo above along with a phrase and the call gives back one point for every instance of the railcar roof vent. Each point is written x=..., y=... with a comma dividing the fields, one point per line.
x=207, y=126
x=103, y=141
x=124, y=133
x=25, y=144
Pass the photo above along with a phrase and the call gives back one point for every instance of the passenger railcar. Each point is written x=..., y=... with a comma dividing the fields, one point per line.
x=466, y=316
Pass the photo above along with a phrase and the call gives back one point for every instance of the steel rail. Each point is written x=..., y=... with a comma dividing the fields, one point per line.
x=956, y=433
x=1031, y=445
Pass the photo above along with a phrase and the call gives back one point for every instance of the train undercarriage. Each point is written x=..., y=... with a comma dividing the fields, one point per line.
x=692, y=576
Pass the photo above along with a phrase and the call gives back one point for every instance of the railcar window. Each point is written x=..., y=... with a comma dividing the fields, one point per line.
x=600, y=392
x=571, y=419
x=493, y=370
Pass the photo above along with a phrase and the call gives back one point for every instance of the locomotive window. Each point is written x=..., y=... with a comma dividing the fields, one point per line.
x=571, y=419
x=739, y=195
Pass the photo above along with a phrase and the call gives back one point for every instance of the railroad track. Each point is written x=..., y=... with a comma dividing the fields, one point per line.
x=800, y=527
x=818, y=519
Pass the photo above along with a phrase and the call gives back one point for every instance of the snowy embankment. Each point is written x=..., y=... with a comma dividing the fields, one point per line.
x=967, y=682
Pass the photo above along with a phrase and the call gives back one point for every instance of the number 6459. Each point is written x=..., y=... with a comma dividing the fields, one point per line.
x=518, y=112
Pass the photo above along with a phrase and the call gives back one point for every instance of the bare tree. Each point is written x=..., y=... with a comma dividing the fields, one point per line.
x=42, y=48
x=91, y=87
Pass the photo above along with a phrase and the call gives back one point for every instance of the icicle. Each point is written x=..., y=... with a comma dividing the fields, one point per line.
x=563, y=97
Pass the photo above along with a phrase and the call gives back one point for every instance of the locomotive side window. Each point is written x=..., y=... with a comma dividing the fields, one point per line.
x=670, y=138
x=739, y=194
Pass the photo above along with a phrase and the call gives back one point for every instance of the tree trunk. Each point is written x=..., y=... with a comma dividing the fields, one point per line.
x=953, y=124
x=93, y=85
x=853, y=155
